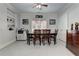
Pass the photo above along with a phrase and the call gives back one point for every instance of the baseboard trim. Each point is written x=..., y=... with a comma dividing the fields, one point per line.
x=2, y=46
x=20, y=40
x=64, y=43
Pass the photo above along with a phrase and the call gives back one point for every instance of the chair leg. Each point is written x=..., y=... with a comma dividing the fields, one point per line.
x=28, y=41
x=39, y=41
x=43, y=41
x=54, y=40
x=34, y=42
x=49, y=41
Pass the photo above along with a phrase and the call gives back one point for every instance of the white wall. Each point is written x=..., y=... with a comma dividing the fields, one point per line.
x=62, y=26
x=73, y=15
x=66, y=17
x=31, y=16
x=62, y=22
x=6, y=36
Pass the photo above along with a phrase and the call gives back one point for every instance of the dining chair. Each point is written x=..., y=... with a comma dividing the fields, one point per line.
x=29, y=37
x=56, y=31
x=46, y=36
x=54, y=36
x=37, y=36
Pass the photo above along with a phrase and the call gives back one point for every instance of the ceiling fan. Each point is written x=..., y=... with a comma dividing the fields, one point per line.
x=39, y=5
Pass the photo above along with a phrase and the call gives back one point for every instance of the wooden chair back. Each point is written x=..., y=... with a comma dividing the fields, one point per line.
x=37, y=32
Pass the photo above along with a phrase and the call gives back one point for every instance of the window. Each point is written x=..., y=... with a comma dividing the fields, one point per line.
x=39, y=24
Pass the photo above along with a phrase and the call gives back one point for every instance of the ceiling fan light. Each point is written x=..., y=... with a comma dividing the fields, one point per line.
x=38, y=6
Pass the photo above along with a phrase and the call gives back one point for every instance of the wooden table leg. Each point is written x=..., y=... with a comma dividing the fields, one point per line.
x=54, y=40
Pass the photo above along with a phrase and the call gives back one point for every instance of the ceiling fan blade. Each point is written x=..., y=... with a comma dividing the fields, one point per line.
x=34, y=5
x=44, y=5
x=39, y=5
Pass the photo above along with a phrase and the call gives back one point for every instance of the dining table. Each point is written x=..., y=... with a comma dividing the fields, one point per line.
x=31, y=35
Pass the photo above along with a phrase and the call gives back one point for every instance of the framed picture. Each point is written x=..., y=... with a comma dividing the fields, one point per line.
x=52, y=21
x=25, y=21
x=10, y=23
x=38, y=16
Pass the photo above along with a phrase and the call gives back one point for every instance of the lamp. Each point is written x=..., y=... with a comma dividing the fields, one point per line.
x=39, y=5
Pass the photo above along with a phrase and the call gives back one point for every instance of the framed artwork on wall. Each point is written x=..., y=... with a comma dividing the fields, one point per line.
x=38, y=16
x=25, y=21
x=52, y=21
x=10, y=23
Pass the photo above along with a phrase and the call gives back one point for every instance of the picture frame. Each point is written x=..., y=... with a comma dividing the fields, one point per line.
x=52, y=21
x=10, y=23
x=25, y=21
x=38, y=16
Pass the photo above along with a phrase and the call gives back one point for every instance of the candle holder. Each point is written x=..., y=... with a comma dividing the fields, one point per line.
x=71, y=26
x=76, y=25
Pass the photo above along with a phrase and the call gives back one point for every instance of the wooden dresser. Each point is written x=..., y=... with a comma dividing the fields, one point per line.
x=72, y=42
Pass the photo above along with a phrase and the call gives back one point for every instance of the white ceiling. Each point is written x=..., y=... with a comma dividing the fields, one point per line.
x=28, y=7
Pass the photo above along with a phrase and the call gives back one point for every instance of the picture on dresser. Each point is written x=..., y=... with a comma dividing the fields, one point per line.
x=52, y=21
x=25, y=21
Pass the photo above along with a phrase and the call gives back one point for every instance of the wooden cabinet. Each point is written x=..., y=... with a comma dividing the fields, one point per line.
x=72, y=42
